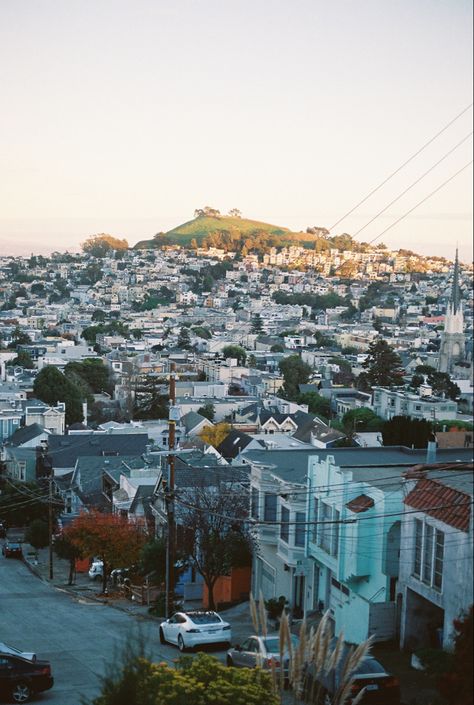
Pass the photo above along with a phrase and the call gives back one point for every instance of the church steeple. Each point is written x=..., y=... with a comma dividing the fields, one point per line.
x=455, y=291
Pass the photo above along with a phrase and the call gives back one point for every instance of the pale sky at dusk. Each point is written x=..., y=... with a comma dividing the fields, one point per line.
x=123, y=117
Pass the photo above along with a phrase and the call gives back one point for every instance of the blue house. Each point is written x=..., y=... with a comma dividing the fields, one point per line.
x=355, y=508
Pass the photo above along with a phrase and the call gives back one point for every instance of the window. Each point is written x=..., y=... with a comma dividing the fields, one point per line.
x=300, y=527
x=269, y=507
x=326, y=530
x=429, y=554
x=254, y=508
x=285, y=528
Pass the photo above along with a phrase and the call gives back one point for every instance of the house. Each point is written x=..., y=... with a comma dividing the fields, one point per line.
x=235, y=443
x=436, y=576
x=355, y=507
x=388, y=403
x=64, y=451
x=278, y=511
x=10, y=420
x=194, y=423
x=52, y=418
x=29, y=436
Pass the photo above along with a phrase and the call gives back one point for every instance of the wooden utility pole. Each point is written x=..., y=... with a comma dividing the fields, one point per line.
x=171, y=536
x=50, y=523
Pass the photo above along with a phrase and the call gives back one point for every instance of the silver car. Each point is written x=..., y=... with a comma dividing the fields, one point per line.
x=260, y=651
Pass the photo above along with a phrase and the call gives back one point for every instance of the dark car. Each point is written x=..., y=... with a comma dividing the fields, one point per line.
x=12, y=549
x=380, y=688
x=21, y=678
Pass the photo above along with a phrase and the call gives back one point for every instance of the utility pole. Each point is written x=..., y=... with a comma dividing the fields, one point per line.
x=169, y=498
x=50, y=523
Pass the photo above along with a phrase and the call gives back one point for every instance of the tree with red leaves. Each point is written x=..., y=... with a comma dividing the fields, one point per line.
x=109, y=537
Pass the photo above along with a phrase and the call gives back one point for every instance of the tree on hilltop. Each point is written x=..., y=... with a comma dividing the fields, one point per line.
x=235, y=213
x=103, y=244
x=206, y=212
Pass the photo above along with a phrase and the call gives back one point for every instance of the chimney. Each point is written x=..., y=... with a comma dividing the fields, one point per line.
x=431, y=451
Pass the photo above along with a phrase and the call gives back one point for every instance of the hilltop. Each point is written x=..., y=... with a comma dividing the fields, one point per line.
x=203, y=226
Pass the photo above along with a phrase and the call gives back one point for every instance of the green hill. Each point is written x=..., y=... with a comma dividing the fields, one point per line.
x=203, y=226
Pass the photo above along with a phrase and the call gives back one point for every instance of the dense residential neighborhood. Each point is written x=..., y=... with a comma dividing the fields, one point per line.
x=269, y=425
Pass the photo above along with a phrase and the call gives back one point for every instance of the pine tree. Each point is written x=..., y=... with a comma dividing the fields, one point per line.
x=383, y=365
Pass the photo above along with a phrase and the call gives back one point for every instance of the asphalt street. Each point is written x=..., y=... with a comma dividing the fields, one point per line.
x=78, y=636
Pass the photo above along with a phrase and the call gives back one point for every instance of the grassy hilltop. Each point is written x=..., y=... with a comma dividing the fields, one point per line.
x=203, y=226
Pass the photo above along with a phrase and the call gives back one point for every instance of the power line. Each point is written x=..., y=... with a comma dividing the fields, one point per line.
x=417, y=181
x=451, y=122
x=420, y=202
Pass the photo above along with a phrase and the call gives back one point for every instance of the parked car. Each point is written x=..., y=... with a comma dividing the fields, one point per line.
x=20, y=678
x=260, y=651
x=190, y=629
x=6, y=649
x=12, y=549
x=96, y=569
x=379, y=686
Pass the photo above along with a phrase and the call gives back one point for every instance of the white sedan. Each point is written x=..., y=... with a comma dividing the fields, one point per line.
x=190, y=629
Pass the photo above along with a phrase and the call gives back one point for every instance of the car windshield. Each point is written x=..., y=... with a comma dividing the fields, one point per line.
x=272, y=644
x=10, y=649
x=13, y=545
x=205, y=618
x=370, y=665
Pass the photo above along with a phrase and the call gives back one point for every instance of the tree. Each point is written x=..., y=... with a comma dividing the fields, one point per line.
x=23, y=359
x=257, y=324
x=51, y=386
x=67, y=551
x=108, y=537
x=215, y=537
x=361, y=420
x=214, y=435
x=184, y=339
x=150, y=401
x=277, y=348
x=37, y=534
x=235, y=213
x=19, y=338
x=16, y=509
x=102, y=245
x=456, y=685
x=99, y=315
x=404, y=431
x=316, y=404
x=295, y=372
x=202, y=680
x=235, y=351
x=252, y=361
x=208, y=411
x=440, y=382
x=383, y=365
x=153, y=559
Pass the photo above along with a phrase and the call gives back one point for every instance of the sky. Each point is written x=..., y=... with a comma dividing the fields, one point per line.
x=124, y=117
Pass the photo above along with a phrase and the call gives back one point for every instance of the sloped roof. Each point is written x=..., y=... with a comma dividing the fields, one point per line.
x=65, y=450
x=192, y=419
x=446, y=504
x=27, y=433
x=234, y=443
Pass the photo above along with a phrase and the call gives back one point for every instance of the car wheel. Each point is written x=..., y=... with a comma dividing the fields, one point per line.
x=181, y=645
x=21, y=692
x=229, y=661
x=162, y=636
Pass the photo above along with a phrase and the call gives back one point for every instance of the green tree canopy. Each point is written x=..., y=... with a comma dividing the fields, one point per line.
x=208, y=411
x=383, y=365
x=404, y=431
x=295, y=372
x=23, y=359
x=316, y=404
x=51, y=386
x=37, y=534
x=362, y=420
x=102, y=245
x=440, y=382
x=235, y=351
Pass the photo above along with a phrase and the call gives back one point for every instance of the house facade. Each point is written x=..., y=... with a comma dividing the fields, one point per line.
x=436, y=580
